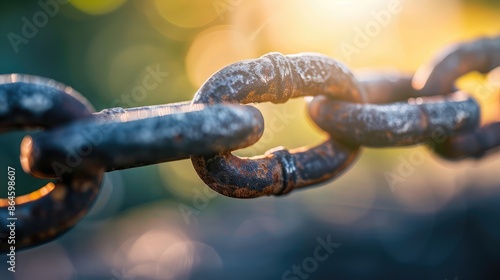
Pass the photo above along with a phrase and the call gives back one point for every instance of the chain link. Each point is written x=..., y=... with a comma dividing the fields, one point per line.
x=439, y=77
x=277, y=78
x=50, y=211
x=123, y=138
x=380, y=109
x=396, y=124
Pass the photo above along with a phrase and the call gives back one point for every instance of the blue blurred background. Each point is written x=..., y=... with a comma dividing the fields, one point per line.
x=161, y=222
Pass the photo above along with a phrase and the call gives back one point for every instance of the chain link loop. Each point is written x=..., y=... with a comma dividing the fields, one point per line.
x=125, y=138
x=46, y=213
x=396, y=124
x=439, y=77
x=277, y=78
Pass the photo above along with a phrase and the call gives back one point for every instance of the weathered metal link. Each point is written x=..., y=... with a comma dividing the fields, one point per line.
x=396, y=124
x=42, y=215
x=31, y=101
x=439, y=76
x=276, y=78
x=134, y=137
x=277, y=172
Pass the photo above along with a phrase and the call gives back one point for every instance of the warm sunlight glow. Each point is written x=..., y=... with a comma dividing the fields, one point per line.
x=97, y=7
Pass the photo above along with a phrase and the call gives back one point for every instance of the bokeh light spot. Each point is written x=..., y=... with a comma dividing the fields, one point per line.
x=96, y=7
x=214, y=49
x=187, y=14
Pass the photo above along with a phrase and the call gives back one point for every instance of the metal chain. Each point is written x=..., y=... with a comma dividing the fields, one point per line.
x=439, y=77
x=277, y=78
x=50, y=211
x=379, y=110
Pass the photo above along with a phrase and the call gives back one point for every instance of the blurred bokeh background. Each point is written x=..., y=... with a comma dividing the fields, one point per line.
x=161, y=222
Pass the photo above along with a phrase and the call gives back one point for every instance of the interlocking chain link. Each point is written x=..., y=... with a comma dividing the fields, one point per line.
x=439, y=77
x=276, y=78
x=122, y=138
x=380, y=110
x=50, y=211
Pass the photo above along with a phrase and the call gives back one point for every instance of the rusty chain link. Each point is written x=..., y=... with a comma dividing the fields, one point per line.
x=439, y=76
x=380, y=110
x=48, y=212
x=122, y=138
x=276, y=78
